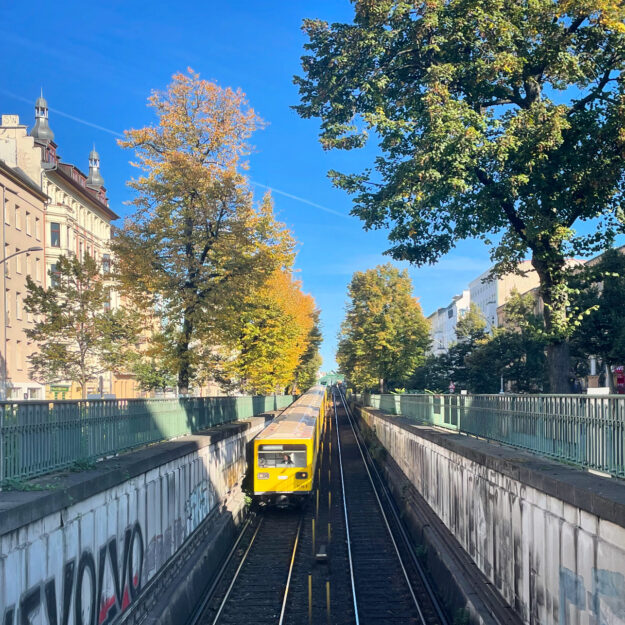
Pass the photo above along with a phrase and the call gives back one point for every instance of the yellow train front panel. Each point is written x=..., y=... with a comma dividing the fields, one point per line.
x=283, y=466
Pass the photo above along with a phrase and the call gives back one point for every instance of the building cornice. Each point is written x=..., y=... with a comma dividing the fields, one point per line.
x=82, y=192
x=22, y=181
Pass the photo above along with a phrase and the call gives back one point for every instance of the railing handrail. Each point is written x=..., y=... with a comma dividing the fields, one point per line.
x=586, y=430
x=40, y=436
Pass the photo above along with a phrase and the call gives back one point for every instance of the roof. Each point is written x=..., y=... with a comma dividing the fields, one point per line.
x=20, y=178
x=84, y=192
x=298, y=420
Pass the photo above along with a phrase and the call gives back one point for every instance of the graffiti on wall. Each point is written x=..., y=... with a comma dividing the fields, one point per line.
x=605, y=600
x=94, y=588
x=199, y=504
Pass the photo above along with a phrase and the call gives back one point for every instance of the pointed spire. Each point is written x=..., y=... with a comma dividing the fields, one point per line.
x=95, y=180
x=41, y=130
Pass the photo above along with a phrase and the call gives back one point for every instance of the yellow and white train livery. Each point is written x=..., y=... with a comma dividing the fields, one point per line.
x=285, y=452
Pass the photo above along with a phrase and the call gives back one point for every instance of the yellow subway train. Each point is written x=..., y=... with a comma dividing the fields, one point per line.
x=285, y=452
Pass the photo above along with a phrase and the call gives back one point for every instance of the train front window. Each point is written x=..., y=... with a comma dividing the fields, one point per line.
x=282, y=456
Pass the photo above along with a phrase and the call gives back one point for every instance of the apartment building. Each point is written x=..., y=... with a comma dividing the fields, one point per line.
x=444, y=320
x=489, y=293
x=75, y=219
x=23, y=205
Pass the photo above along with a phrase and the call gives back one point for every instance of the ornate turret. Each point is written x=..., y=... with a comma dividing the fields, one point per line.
x=41, y=130
x=95, y=180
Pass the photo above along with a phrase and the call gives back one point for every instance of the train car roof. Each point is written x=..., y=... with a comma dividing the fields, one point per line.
x=298, y=420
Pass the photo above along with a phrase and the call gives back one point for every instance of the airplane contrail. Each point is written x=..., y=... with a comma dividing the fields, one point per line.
x=297, y=198
x=301, y=199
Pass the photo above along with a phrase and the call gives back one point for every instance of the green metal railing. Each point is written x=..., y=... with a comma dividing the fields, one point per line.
x=588, y=431
x=39, y=437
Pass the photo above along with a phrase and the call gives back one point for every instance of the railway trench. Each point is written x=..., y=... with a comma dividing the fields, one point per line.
x=336, y=560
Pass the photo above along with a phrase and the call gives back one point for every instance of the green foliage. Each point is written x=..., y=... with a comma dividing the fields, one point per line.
x=78, y=337
x=384, y=335
x=598, y=296
x=153, y=374
x=310, y=363
x=478, y=360
x=503, y=121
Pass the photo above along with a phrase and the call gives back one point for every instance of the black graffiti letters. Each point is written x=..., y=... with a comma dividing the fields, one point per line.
x=86, y=584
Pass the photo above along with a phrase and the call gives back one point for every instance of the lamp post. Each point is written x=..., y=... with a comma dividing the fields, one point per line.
x=3, y=390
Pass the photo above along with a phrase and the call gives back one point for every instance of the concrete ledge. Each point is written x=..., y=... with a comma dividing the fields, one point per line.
x=60, y=490
x=458, y=582
x=171, y=597
x=598, y=495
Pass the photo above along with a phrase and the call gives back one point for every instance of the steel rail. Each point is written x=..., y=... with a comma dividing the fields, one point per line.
x=288, y=579
x=197, y=613
x=443, y=618
x=386, y=523
x=349, y=544
x=236, y=574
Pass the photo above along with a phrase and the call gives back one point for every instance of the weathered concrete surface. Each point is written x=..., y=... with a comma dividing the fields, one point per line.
x=550, y=538
x=80, y=553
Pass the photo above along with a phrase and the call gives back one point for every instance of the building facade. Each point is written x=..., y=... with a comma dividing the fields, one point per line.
x=489, y=293
x=23, y=211
x=74, y=217
x=443, y=323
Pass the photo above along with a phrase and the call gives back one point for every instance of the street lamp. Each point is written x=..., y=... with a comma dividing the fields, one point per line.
x=30, y=249
x=3, y=390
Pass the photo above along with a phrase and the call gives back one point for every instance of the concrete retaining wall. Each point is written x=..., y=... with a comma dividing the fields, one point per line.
x=80, y=551
x=550, y=538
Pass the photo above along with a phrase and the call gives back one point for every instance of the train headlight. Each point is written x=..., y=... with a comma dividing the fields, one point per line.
x=301, y=475
x=262, y=476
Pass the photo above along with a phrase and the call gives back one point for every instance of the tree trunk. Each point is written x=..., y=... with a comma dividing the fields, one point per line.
x=550, y=265
x=381, y=386
x=558, y=360
x=184, y=357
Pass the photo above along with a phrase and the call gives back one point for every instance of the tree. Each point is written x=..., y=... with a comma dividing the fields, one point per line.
x=310, y=363
x=196, y=240
x=384, y=335
x=270, y=336
x=78, y=336
x=503, y=121
x=598, y=295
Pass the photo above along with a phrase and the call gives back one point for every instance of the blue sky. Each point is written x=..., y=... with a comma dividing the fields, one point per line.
x=97, y=62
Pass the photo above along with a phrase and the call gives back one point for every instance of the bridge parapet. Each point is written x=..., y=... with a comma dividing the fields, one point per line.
x=89, y=547
x=549, y=537
x=588, y=431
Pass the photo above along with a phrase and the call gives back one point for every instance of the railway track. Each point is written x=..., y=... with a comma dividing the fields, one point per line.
x=254, y=583
x=370, y=574
x=388, y=583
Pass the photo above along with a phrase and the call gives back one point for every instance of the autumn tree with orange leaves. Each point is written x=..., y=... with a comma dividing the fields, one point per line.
x=270, y=344
x=197, y=240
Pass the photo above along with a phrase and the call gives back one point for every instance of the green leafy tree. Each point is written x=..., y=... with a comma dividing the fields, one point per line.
x=384, y=335
x=196, y=240
x=503, y=121
x=599, y=291
x=78, y=337
x=308, y=368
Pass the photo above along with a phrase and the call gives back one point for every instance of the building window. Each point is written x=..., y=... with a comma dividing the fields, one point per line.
x=28, y=232
x=54, y=275
x=6, y=264
x=18, y=305
x=55, y=234
x=106, y=264
x=7, y=213
x=8, y=308
x=37, y=270
x=450, y=313
x=18, y=222
x=18, y=260
x=37, y=229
